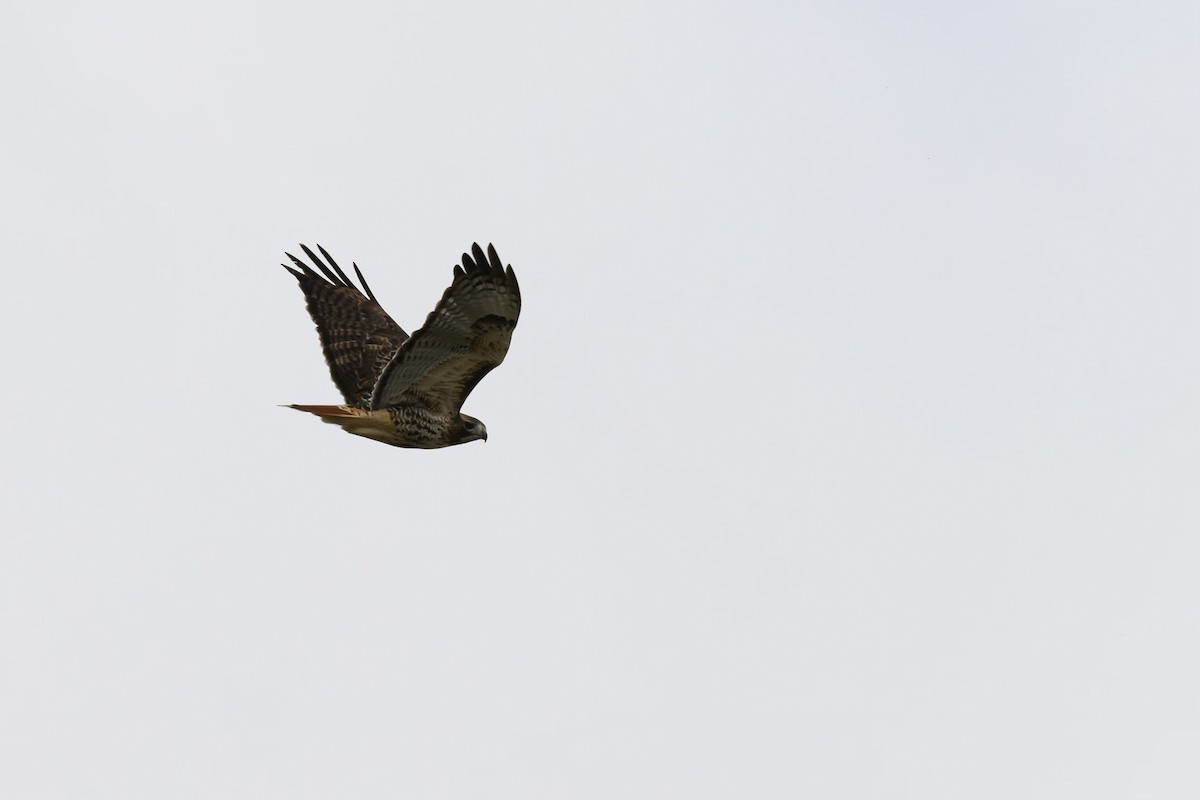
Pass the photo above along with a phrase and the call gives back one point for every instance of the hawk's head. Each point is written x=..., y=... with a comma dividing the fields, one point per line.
x=471, y=430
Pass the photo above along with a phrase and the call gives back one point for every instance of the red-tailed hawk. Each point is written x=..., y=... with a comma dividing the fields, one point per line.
x=406, y=390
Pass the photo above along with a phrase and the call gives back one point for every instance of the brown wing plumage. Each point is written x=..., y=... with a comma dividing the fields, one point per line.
x=465, y=337
x=357, y=335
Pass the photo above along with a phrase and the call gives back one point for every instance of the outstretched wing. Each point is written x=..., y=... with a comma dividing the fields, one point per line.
x=357, y=335
x=465, y=337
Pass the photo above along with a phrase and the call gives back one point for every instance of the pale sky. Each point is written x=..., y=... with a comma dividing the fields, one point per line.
x=847, y=446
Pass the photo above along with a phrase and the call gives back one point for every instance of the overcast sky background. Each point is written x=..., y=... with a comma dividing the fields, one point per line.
x=847, y=446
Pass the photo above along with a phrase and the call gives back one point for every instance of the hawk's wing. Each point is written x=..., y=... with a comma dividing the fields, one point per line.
x=465, y=337
x=357, y=335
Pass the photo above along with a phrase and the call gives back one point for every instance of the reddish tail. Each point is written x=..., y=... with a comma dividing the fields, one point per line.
x=371, y=424
x=330, y=412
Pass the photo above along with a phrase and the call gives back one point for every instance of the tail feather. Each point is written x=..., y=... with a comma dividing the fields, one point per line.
x=371, y=424
x=329, y=411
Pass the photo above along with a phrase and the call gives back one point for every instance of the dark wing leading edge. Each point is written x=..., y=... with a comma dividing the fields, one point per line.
x=357, y=335
x=465, y=337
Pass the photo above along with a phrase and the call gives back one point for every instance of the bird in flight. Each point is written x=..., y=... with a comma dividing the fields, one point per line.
x=406, y=390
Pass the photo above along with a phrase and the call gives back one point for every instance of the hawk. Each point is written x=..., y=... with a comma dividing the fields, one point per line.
x=406, y=390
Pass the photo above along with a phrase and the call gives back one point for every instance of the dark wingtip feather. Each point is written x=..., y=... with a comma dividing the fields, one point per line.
x=494, y=259
x=345, y=281
x=480, y=258
x=363, y=281
x=304, y=268
x=513, y=286
x=332, y=278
